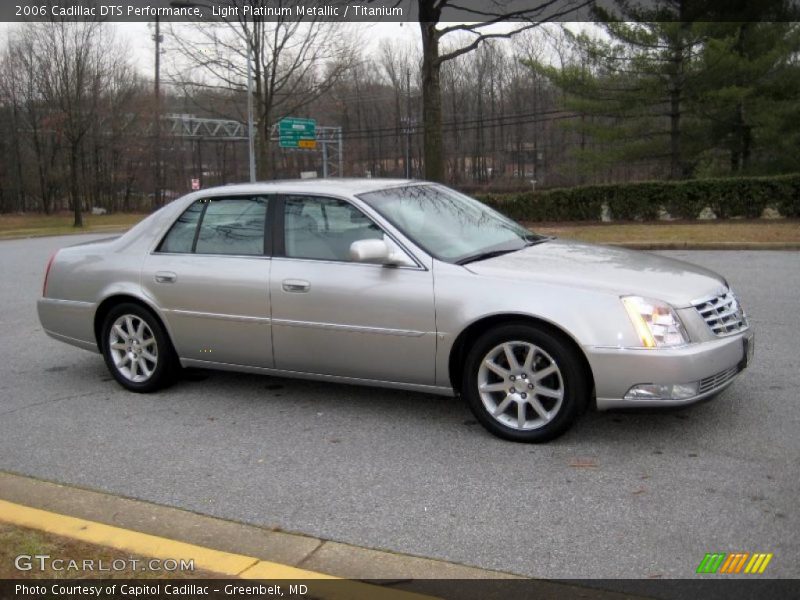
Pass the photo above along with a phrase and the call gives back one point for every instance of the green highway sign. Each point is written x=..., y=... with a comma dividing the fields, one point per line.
x=297, y=133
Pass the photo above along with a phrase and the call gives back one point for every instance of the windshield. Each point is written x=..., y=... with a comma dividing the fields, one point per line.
x=447, y=224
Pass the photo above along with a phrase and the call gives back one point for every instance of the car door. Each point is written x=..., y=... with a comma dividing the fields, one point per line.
x=333, y=316
x=210, y=277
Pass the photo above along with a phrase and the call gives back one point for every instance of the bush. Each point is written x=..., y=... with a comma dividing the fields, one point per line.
x=728, y=198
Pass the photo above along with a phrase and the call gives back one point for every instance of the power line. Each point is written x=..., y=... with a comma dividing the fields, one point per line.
x=457, y=126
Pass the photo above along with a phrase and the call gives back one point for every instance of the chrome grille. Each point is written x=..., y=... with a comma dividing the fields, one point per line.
x=715, y=381
x=722, y=314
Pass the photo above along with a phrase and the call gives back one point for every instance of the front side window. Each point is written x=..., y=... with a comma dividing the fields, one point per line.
x=324, y=228
x=447, y=224
x=232, y=226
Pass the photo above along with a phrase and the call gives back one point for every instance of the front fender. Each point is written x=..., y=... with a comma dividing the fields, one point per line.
x=589, y=318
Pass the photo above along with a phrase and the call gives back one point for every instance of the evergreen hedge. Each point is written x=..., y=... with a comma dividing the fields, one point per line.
x=732, y=197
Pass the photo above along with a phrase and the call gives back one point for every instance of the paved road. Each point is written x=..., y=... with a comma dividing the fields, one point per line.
x=415, y=473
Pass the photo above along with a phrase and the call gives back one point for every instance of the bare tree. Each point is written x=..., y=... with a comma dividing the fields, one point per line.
x=75, y=68
x=293, y=62
x=20, y=84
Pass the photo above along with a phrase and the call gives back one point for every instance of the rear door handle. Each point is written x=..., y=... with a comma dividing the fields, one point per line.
x=165, y=277
x=296, y=285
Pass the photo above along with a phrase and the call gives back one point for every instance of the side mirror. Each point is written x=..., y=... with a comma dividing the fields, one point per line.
x=375, y=251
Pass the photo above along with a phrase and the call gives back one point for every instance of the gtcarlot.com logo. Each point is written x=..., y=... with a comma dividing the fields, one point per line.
x=735, y=562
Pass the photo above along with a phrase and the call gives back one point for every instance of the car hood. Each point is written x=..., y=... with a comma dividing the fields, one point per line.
x=605, y=268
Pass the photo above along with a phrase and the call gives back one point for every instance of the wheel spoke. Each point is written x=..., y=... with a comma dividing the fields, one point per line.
x=495, y=368
x=140, y=331
x=129, y=326
x=521, y=415
x=548, y=393
x=134, y=368
x=149, y=342
x=513, y=363
x=546, y=372
x=143, y=367
x=529, y=356
x=537, y=406
x=494, y=387
x=151, y=357
x=118, y=346
x=121, y=332
x=501, y=408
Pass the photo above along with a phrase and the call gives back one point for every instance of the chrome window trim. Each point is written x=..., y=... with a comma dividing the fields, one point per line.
x=354, y=263
x=250, y=256
x=191, y=199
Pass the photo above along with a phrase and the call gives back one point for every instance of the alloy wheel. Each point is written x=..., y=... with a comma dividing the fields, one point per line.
x=520, y=385
x=133, y=348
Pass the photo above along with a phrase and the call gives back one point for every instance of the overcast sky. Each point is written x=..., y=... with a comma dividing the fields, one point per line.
x=139, y=38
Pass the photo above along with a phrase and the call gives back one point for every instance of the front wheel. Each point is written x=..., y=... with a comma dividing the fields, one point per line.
x=136, y=349
x=524, y=384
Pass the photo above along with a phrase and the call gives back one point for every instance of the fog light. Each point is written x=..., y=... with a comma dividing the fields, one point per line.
x=663, y=391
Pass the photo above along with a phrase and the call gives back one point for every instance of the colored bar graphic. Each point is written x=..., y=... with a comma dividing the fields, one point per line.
x=721, y=562
x=735, y=562
x=711, y=562
x=758, y=563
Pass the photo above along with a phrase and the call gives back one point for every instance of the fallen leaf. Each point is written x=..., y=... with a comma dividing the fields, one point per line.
x=583, y=463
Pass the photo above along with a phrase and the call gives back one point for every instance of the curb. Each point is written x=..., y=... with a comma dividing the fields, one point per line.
x=224, y=563
x=248, y=551
x=275, y=546
x=706, y=245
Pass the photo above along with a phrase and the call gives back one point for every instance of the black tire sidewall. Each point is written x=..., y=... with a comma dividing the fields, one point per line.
x=162, y=374
x=573, y=377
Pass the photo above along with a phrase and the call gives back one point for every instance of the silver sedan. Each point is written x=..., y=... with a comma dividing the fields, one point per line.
x=401, y=284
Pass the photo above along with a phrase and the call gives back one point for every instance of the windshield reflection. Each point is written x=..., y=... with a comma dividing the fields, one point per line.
x=449, y=225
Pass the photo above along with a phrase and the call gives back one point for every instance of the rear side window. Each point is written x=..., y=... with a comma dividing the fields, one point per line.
x=232, y=226
x=181, y=237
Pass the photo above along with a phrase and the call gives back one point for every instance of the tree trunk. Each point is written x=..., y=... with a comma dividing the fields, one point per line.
x=431, y=103
x=73, y=187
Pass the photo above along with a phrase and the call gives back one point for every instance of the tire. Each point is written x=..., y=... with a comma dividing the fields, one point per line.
x=551, y=388
x=144, y=361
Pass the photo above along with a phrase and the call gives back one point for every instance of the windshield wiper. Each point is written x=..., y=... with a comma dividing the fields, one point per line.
x=484, y=255
x=532, y=241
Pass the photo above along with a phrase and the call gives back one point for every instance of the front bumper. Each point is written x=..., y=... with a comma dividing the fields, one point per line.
x=714, y=365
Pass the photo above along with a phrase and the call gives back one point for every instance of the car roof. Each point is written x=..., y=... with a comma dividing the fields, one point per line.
x=342, y=186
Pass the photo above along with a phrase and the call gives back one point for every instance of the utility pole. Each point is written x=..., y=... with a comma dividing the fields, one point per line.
x=249, y=50
x=250, y=129
x=157, y=90
x=408, y=123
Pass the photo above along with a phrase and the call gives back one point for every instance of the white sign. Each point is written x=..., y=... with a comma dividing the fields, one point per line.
x=195, y=184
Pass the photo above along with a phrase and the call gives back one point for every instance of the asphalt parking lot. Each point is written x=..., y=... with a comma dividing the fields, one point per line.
x=621, y=495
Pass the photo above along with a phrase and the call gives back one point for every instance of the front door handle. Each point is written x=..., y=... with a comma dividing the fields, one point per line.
x=165, y=277
x=296, y=285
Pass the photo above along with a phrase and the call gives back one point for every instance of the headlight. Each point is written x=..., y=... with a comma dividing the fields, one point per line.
x=655, y=322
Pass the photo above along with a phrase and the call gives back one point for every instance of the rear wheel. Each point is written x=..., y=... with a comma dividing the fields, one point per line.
x=136, y=349
x=524, y=384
